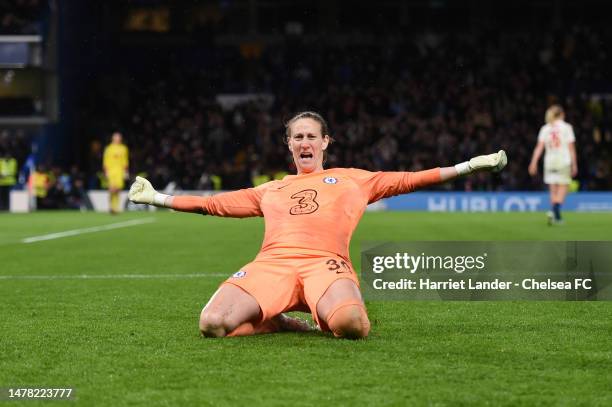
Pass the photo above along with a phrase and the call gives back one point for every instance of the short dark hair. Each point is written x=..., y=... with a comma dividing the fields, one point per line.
x=307, y=115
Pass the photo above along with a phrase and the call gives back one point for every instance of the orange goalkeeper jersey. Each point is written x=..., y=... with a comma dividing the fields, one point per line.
x=316, y=211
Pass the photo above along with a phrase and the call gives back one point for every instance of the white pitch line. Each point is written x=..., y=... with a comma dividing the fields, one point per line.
x=75, y=232
x=114, y=276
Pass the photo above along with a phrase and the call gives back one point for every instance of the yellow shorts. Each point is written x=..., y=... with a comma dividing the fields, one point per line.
x=295, y=281
x=116, y=179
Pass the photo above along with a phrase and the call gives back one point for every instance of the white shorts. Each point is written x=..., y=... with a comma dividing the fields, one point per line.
x=558, y=175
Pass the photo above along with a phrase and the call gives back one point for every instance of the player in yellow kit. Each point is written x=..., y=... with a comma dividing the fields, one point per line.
x=116, y=166
x=304, y=261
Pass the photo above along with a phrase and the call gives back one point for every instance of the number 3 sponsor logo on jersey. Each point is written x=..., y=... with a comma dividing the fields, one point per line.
x=306, y=202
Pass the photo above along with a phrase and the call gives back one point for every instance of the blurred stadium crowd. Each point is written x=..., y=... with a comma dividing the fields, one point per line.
x=394, y=100
x=21, y=16
x=54, y=187
x=421, y=101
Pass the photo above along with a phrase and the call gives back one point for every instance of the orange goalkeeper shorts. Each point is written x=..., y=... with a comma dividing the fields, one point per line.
x=284, y=281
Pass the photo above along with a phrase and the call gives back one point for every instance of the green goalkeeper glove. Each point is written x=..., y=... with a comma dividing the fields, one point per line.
x=491, y=162
x=143, y=192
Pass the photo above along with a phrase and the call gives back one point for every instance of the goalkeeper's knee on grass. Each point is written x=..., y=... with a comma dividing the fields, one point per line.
x=349, y=321
x=214, y=325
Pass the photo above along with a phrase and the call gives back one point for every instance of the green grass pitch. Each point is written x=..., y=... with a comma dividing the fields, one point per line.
x=123, y=341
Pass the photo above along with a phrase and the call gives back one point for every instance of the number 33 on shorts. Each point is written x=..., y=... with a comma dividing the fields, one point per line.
x=339, y=266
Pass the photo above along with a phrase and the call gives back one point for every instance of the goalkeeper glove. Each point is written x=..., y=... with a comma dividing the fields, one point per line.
x=143, y=192
x=491, y=162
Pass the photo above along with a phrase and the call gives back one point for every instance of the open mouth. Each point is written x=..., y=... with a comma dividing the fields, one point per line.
x=305, y=156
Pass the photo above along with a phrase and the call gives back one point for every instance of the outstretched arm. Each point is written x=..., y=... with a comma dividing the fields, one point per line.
x=238, y=204
x=448, y=173
x=386, y=184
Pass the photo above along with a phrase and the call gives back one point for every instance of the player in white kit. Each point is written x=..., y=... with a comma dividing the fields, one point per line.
x=560, y=166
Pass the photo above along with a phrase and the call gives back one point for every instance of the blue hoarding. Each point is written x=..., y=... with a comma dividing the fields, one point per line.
x=494, y=202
